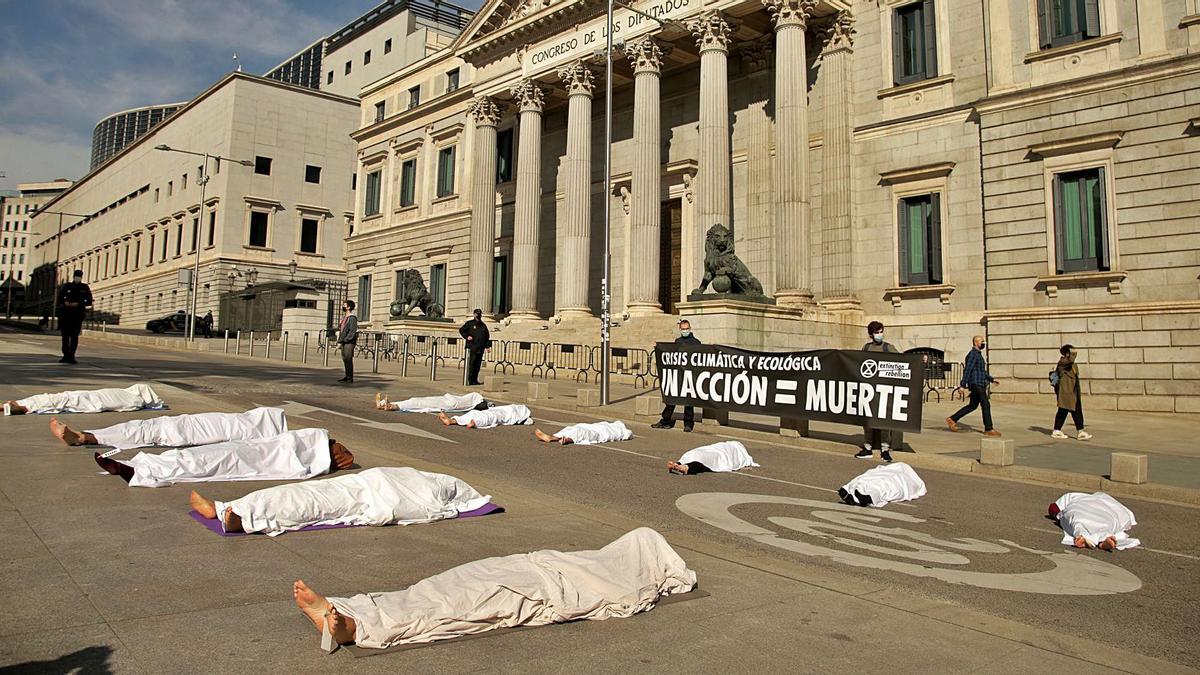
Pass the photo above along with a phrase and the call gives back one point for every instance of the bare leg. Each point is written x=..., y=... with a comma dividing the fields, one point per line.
x=114, y=467
x=444, y=419
x=340, y=456
x=543, y=436
x=231, y=521
x=381, y=402
x=69, y=436
x=15, y=408
x=676, y=467
x=321, y=613
x=202, y=505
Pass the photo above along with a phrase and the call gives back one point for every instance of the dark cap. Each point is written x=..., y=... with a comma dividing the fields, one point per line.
x=79, y=273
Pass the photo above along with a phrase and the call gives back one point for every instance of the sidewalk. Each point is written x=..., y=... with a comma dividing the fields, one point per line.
x=1174, y=455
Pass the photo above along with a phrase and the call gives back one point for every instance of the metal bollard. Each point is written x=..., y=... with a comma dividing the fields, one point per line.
x=304, y=349
x=285, y=345
x=375, y=356
x=226, y=340
x=433, y=361
x=103, y=326
x=404, y=359
x=328, y=346
x=238, y=342
x=268, y=345
x=251, y=343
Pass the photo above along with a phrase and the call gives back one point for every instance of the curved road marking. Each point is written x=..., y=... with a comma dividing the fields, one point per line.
x=1072, y=574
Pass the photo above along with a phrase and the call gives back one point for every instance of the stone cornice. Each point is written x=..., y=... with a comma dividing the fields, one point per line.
x=908, y=175
x=1081, y=46
x=526, y=29
x=1078, y=144
x=1125, y=308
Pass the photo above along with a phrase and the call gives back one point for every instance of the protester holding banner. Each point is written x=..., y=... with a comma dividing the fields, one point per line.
x=975, y=379
x=689, y=413
x=873, y=436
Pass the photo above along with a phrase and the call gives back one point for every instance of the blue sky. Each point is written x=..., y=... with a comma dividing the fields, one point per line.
x=65, y=64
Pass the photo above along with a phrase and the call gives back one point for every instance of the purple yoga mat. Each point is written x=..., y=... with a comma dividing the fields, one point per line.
x=214, y=525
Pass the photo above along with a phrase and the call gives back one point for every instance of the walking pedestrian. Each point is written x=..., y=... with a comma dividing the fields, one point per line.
x=208, y=324
x=348, y=338
x=975, y=379
x=74, y=297
x=476, y=333
x=1065, y=378
x=871, y=436
x=689, y=413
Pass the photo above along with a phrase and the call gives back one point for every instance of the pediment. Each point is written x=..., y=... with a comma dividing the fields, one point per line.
x=515, y=18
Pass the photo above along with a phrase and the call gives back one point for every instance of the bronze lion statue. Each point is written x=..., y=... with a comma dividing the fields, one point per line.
x=416, y=296
x=723, y=269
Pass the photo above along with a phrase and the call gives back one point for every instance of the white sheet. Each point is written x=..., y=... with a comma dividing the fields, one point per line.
x=133, y=397
x=444, y=403
x=530, y=589
x=1095, y=517
x=592, y=433
x=294, y=455
x=723, y=456
x=201, y=429
x=494, y=417
x=381, y=496
x=895, y=482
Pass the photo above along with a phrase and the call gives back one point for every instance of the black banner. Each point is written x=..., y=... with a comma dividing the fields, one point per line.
x=878, y=389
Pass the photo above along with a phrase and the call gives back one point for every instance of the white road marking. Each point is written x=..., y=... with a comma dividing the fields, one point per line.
x=302, y=410
x=1144, y=548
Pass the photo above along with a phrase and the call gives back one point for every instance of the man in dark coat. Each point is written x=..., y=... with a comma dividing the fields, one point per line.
x=347, y=339
x=689, y=413
x=74, y=297
x=475, y=332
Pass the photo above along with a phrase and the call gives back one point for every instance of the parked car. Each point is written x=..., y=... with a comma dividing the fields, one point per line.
x=172, y=322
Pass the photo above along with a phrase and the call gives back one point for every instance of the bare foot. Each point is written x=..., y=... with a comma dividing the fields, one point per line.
x=231, y=521
x=676, y=467
x=565, y=441
x=202, y=505
x=341, y=456
x=114, y=467
x=341, y=627
x=313, y=605
x=64, y=433
x=543, y=436
x=381, y=402
x=1109, y=544
x=470, y=424
x=445, y=420
x=1080, y=542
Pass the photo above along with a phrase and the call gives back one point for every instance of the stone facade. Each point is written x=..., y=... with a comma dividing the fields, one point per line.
x=833, y=149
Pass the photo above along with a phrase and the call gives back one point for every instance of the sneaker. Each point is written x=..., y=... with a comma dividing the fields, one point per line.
x=662, y=425
x=865, y=453
x=885, y=456
x=993, y=433
x=1083, y=436
x=951, y=424
x=1057, y=433
x=687, y=427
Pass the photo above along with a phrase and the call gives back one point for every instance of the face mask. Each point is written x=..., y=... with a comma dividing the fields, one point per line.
x=878, y=338
x=685, y=333
x=982, y=346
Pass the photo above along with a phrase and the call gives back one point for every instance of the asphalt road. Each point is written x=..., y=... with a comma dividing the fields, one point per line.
x=797, y=581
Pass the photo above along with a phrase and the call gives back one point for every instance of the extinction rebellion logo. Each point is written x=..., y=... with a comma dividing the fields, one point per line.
x=889, y=369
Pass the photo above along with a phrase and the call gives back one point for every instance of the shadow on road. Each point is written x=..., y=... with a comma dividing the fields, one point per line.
x=87, y=661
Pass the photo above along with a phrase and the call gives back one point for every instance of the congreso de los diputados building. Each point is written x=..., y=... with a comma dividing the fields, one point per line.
x=1028, y=170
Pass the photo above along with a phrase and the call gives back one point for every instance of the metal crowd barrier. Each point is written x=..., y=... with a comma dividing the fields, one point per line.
x=626, y=361
x=453, y=349
x=513, y=353
x=559, y=356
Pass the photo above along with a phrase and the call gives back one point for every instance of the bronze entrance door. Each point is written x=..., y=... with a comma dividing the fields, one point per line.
x=670, y=263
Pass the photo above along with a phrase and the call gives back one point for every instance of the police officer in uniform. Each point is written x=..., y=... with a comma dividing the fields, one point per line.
x=476, y=333
x=74, y=297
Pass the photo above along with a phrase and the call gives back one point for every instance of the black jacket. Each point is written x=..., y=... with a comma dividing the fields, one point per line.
x=74, y=292
x=689, y=340
x=478, y=333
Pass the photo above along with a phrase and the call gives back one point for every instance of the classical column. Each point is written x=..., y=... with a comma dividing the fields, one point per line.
x=713, y=178
x=530, y=97
x=837, y=261
x=792, y=284
x=646, y=182
x=486, y=114
x=574, y=231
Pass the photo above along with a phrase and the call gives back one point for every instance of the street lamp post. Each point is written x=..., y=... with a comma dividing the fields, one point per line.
x=605, y=286
x=202, y=179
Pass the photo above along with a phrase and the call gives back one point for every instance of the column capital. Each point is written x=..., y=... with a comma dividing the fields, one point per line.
x=579, y=78
x=530, y=96
x=790, y=13
x=756, y=54
x=712, y=30
x=838, y=33
x=646, y=54
x=485, y=111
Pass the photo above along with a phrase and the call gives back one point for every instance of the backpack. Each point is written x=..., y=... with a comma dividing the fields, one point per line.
x=1054, y=378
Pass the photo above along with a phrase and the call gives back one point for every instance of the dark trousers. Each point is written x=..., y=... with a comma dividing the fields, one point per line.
x=979, y=399
x=70, y=328
x=474, y=363
x=348, y=359
x=1076, y=415
x=877, y=438
x=689, y=415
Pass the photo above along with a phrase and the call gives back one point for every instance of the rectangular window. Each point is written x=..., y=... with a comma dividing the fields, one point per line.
x=166, y=241
x=183, y=183
x=353, y=182
x=212, y=227
x=258, y=228
x=150, y=258
x=504, y=155
x=500, y=297
x=363, y=310
x=445, y=172
x=170, y=188
x=387, y=46
x=1062, y=22
x=312, y=174
x=22, y=259
x=348, y=65
x=920, y=240
x=408, y=182
x=452, y=80
x=195, y=240
x=1081, y=221
x=371, y=203
x=216, y=165
x=380, y=110
x=137, y=254
x=329, y=77
x=125, y=265
x=308, y=235
x=178, y=238
x=367, y=57
x=414, y=97
x=437, y=283
x=20, y=274
x=914, y=43
x=262, y=165
x=155, y=195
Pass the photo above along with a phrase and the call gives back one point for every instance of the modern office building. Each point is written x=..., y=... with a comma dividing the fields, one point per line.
x=122, y=128
x=1026, y=170
x=140, y=217
x=16, y=238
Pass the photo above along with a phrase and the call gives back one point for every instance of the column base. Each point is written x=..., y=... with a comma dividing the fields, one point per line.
x=574, y=314
x=524, y=315
x=794, y=298
x=644, y=309
x=842, y=303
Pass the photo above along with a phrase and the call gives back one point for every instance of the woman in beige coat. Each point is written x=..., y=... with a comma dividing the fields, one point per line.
x=1070, y=399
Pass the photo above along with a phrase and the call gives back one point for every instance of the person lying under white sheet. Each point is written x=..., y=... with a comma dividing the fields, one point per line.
x=896, y=482
x=450, y=403
x=529, y=589
x=133, y=397
x=490, y=417
x=380, y=496
x=177, y=431
x=1094, y=521
x=723, y=456
x=294, y=455
x=586, y=433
